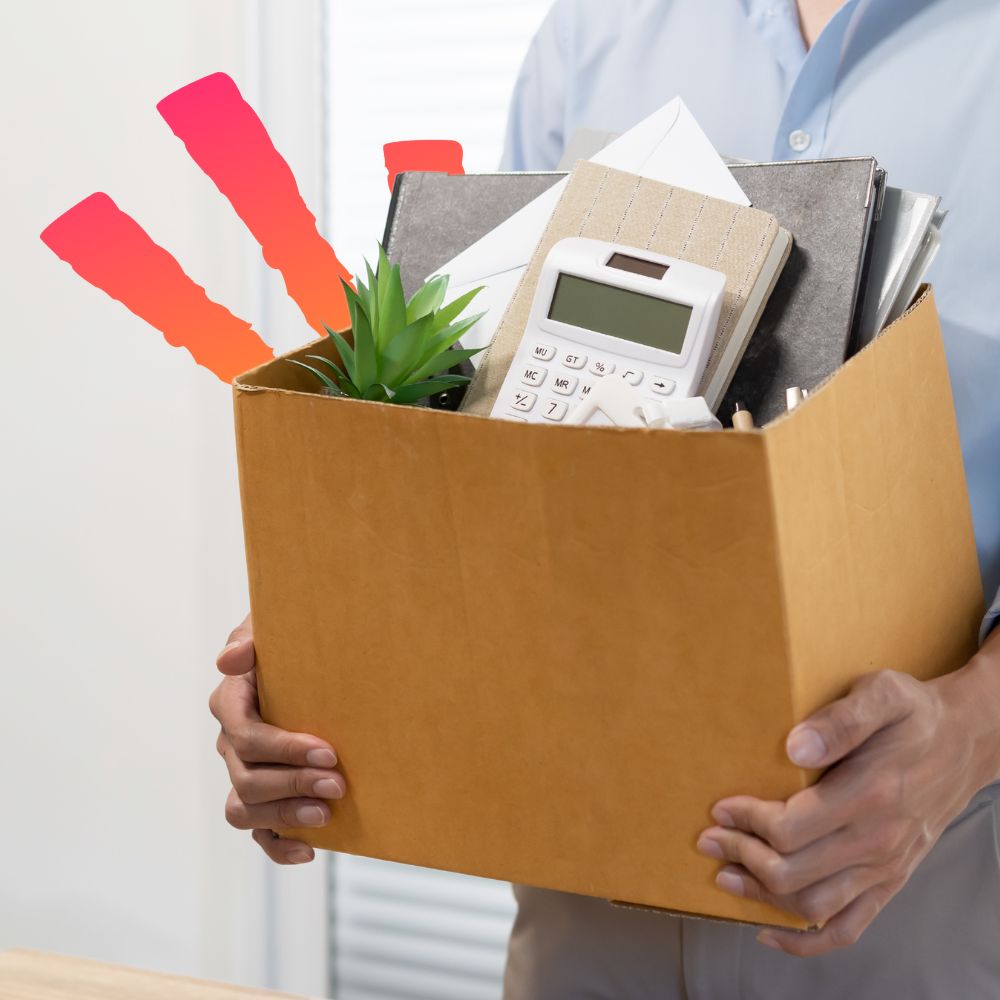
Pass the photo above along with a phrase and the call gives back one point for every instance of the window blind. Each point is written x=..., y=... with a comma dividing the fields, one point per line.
x=415, y=934
x=414, y=69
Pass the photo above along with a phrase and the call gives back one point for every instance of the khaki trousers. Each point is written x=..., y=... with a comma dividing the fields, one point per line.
x=938, y=939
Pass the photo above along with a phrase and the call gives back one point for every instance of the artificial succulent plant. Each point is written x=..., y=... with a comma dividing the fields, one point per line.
x=402, y=351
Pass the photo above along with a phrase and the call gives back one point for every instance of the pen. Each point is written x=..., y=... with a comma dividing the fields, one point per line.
x=742, y=418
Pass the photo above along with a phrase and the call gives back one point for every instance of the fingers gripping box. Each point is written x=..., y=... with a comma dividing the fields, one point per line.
x=543, y=653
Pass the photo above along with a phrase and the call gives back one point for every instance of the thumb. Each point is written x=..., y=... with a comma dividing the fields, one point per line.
x=829, y=735
x=237, y=656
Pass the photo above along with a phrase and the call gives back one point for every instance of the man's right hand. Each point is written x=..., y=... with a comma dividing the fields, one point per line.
x=280, y=779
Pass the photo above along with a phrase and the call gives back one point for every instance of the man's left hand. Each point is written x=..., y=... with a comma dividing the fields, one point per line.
x=909, y=756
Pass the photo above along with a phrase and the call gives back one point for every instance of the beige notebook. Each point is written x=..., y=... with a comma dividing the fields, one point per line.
x=606, y=204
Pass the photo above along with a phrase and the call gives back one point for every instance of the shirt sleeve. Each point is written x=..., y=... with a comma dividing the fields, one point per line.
x=991, y=619
x=536, y=122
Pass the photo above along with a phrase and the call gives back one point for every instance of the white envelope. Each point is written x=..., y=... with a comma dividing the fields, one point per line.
x=668, y=146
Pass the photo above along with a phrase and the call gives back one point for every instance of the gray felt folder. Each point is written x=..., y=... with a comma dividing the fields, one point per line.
x=829, y=206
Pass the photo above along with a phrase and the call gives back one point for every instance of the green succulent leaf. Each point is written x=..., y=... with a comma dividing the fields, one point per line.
x=455, y=309
x=370, y=298
x=441, y=362
x=420, y=390
x=449, y=336
x=392, y=310
x=352, y=301
x=365, y=355
x=322, y=376
x=382, y=277
x=378, y=392
x=406, y=350
x=428, y=299
x=346, y=353
x=338, y=372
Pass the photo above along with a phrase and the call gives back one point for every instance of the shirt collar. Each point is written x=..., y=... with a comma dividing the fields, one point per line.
x=777, y=24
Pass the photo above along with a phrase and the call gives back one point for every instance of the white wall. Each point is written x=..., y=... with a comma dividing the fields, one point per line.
x=122, y=561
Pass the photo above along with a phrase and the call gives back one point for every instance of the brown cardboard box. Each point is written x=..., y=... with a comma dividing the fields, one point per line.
x=543, y=653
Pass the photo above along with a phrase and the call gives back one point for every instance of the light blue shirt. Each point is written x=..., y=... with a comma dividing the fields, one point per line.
x=916, y=83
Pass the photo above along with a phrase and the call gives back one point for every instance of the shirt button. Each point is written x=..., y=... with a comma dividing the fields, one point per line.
x=799, y=140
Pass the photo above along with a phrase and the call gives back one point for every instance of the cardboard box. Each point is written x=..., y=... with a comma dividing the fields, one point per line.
x=543, y=653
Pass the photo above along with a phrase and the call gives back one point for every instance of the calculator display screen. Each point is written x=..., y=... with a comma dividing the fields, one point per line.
x=620, y=312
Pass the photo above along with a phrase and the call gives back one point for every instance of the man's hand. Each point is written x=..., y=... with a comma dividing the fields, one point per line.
x=280, y=779
x=909, y=756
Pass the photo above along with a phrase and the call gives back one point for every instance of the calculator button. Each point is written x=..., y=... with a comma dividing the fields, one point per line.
x=585, y=390
x=601, y=368
x=575, y=360
x=534, y=376
x=524, y=401
x=543, y=352
x=631, y=376
x=663, y=386
x=565, y=385
x=554, y=409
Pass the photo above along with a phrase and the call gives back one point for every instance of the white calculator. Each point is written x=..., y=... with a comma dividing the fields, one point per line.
x=603, y=310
